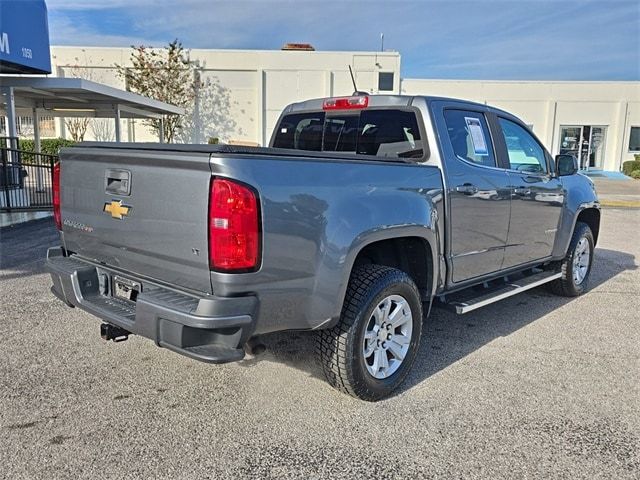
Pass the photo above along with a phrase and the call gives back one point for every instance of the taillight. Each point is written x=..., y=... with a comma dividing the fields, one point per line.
x=56, y=195
x=234, y=236
x=345, y=103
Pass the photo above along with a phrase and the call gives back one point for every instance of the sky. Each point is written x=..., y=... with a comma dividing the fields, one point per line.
x=481, y=39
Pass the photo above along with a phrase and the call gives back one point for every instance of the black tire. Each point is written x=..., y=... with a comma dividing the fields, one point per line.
x=566, y=286
x=340, y=349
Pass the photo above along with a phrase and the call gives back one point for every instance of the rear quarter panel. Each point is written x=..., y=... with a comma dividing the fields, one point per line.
x=316, y=217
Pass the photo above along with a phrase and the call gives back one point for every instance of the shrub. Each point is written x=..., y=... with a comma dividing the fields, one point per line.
x=635, y=174
x=50, y=146
x=631, y=165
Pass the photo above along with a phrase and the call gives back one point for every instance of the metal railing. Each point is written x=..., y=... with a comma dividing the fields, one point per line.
x=25, y=180
x=9, y=142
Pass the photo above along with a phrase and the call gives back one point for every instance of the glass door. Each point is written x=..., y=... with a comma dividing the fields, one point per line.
x=585, y=142
x=571, y=141
x=596, y=147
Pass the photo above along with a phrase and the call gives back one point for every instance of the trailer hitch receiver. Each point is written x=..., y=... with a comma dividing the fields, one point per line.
x=111, y=332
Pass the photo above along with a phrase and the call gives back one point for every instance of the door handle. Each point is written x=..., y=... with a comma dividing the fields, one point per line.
x=522, y=191
x=467, y=189
x=117, y=181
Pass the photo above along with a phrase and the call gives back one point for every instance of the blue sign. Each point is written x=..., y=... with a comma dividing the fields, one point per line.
x=24, y=37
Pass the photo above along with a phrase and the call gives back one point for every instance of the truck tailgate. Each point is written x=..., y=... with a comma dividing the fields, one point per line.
x=141, y=211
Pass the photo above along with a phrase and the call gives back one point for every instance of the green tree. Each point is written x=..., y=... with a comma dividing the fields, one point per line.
x=166, y=75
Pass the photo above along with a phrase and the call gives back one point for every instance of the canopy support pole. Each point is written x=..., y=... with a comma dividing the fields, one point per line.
x=37, y=149
x=11, y=116
x=118, y=123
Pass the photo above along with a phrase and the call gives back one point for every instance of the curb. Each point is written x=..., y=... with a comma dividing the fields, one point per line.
x=620, y=203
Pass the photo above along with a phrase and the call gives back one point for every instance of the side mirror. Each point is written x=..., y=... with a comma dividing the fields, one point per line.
x=566, y=165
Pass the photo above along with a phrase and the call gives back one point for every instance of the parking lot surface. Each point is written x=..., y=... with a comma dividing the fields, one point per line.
x=534, y=386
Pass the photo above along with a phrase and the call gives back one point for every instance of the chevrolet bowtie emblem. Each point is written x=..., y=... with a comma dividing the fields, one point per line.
x=116, y=209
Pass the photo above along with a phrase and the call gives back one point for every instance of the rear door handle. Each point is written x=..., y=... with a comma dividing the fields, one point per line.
x=467, y=189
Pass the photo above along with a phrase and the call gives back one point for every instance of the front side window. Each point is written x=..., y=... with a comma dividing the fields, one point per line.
x=524, y=152
x=469, y=136
x=382, y=133
x=634, y=139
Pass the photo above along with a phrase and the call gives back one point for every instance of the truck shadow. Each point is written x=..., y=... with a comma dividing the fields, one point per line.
x=447, y=337
x=23, y=248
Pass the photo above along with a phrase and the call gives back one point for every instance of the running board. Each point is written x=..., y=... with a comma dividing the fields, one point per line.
x=470, y=303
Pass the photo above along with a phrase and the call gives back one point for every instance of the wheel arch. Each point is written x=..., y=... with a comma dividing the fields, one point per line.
x=590, y=216
x=411, y=249
x=412, y=255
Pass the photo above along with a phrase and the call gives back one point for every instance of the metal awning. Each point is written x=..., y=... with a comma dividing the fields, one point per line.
x=75, y=97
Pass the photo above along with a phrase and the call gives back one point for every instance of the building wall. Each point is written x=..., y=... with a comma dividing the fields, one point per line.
x=550, y=105
x=253, y=85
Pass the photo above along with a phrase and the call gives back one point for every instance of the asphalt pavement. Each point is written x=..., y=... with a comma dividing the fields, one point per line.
x=536, y=386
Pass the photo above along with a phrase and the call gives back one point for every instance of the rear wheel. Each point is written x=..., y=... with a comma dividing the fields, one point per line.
x=372, y=348
x=576, y=267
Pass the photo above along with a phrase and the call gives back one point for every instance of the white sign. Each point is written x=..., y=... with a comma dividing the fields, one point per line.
x=477, y=135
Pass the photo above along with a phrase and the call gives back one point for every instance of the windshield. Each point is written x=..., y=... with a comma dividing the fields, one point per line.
x=382, y=133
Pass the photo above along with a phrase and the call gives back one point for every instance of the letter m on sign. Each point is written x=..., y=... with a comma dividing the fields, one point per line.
x=4, y=43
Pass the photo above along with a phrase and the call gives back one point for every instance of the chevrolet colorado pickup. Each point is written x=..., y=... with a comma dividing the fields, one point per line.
x=363, y=212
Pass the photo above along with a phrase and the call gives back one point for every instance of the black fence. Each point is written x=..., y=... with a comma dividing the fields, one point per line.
x=25, y=180
x=9, y=142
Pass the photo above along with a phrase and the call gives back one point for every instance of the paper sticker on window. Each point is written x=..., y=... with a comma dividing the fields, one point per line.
x=477, y=136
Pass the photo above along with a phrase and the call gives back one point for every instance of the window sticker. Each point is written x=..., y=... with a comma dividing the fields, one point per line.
x=477, y=136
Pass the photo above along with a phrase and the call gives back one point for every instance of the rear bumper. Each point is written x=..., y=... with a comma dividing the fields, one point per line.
x=210, y=329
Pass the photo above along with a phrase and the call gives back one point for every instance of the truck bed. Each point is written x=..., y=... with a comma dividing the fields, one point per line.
x=316, y=210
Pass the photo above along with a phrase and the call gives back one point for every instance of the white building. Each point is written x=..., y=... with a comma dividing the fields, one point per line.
x=255, y=85
x=597, y=121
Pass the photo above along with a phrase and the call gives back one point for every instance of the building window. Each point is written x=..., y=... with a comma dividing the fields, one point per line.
x=385, y=81
x=634, y=139
x=25, y=126
x=47, y=126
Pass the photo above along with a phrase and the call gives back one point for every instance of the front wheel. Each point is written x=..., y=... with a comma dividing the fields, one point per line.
x=576, y=267
x=372, y=348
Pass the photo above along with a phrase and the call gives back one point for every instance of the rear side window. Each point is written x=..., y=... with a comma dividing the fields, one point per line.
x=382, y=133
x=469, y=136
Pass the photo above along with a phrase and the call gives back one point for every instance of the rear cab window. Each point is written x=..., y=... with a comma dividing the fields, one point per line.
x=389, y=133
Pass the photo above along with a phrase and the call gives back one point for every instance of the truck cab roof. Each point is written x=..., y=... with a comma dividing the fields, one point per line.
x=377, y=101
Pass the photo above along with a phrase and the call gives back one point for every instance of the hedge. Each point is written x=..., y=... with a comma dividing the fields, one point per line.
x=630, y=166
x=49, y=146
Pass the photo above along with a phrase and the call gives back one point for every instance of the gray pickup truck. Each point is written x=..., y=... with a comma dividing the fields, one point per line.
x=362, y=213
